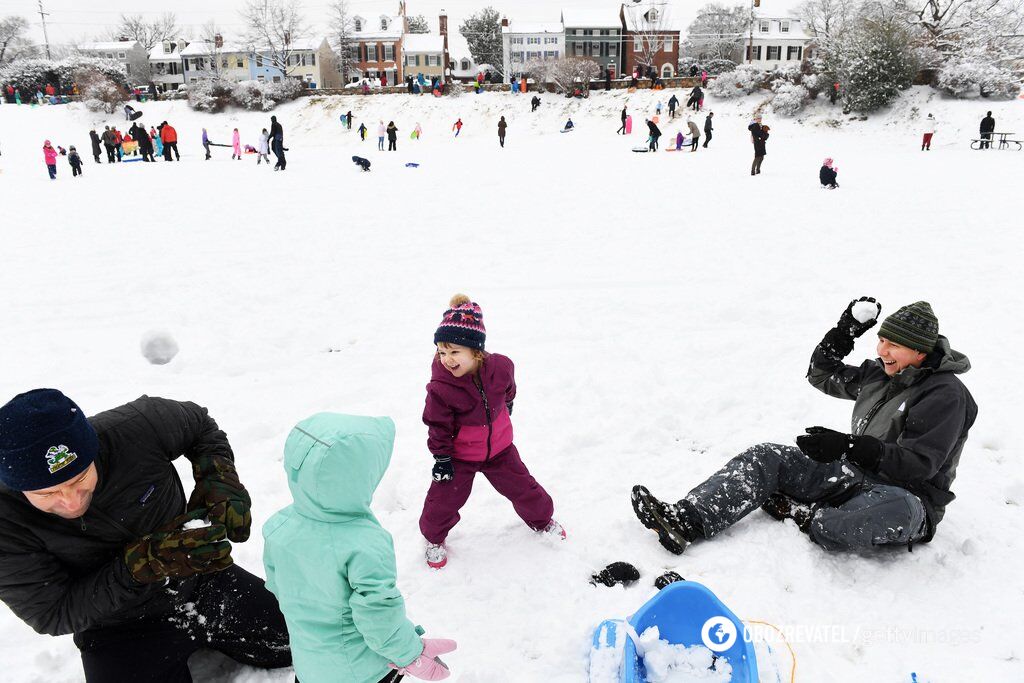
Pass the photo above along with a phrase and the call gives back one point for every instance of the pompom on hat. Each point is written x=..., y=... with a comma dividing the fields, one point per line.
x=462, y=324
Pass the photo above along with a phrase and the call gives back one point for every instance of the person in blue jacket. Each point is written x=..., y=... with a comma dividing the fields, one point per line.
x=332, y=565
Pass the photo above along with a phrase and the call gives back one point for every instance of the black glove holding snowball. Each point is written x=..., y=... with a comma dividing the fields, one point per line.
x=850, y=325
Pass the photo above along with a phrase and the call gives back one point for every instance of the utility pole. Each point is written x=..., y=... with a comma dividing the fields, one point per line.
x=46, y=38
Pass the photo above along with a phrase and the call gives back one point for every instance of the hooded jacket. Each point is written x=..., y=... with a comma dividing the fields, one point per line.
x=468, y=417
x=330, y=562
x=168, y=134
x=49, y=155
x=921, y=416
x=827, y=175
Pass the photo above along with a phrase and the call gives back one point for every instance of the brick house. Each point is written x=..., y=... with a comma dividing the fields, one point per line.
x=649, y=38
x=377, y=46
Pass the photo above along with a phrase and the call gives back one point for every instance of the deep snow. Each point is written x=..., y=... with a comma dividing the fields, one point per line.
x=660, y=309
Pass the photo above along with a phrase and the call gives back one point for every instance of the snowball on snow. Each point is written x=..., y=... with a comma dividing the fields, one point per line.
x=196, y=524
x=672, y=663
x=864, y=311
x=159, y=347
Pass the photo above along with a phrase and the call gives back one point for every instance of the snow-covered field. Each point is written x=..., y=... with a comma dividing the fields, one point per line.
x=660, y=308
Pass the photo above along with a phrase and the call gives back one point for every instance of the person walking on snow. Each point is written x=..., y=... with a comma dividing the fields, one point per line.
x=263, y=150
x=501, y=131
x=236, y=145
x=657, y=108
x=277, y=144
x=929, y=131
x=206, y=144
x=50, y=157
x=417, y=131
x=655, y=133
x=457, y=127
x=75, y=161
x=392, y=137
x=707, y=129
x=157, y=142
x=362, y=132
x=828, y=173
x=467, y=413
x=694, y=133
x=382, y=132
x=622, y=118
x=95, y=140
x=673, y=102
x=759, y=136
x=534, y=103
x=339, y=595
x=348, y=120
x=696, y=96
x=885, y=484
x=988, y=126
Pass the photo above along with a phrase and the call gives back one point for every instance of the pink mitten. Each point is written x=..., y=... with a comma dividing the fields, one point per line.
x=428, y=666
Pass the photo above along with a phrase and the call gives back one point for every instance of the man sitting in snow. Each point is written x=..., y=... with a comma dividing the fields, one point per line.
x=96, y=538
x=886, y=483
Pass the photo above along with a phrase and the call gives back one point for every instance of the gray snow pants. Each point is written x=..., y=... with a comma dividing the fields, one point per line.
x=853, y=515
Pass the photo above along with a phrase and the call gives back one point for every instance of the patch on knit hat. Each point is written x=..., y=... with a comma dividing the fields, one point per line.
x=462, y=324
x=59, y=457
x=914, y=326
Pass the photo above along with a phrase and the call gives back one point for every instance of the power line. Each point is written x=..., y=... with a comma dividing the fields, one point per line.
x=46, y=38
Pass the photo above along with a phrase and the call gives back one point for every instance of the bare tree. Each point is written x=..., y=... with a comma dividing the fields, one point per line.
x=341, y=27
x=418, y=24
x=539, y=70
x=648, y=23
x=213, y=40
x=570, y=73
x=148, y=33
x=273, y=26
x=952, y=26
x=717, y=32
x=13, y=43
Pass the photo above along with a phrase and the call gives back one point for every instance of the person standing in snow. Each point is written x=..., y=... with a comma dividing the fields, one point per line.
x=457, y=127
x=828, y=173
x=759, y=136
x=362, y=132
x=382, y=132
x=673, y=102
x=622, y=118
x=75, y=161
x=534, y=103
x=95, y=140
x=929, y=131
x=696, y=96
x=885, y=484
x=655, y=133
x=236, y=145
x=501, y=131
x=50, y=158
x=988, y=126
x=170, y=138
x=277, y=143
x=206, y=144
x=657, y=108
x=263, y=151
x=344, y=610
x=93, y=537
x=467, y=413
x=108, y=144
x=694, y=134
x=348, y=120
x=392, y=137
x=708, y=128
x=145, y=143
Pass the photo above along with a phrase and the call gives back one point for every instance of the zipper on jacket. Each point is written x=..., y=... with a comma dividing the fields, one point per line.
x=487, y=412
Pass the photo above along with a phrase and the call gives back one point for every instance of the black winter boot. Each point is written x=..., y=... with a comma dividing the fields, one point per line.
x=677, y=526
x=782, y=507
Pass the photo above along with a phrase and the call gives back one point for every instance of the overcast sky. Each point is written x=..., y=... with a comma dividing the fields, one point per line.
x=71, y=20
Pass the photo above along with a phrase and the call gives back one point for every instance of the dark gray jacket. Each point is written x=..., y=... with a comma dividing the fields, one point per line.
x=922, y=416
x=65, y=576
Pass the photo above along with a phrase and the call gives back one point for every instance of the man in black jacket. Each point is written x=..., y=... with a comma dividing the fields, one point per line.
x=97, y=538
x=988, y=125
x=886, y=483
x=708, y=128
x=277, y=143
x=758, y=135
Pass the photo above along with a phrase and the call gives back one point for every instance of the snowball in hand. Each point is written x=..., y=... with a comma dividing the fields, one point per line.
x=159, y=347
x=864, y=311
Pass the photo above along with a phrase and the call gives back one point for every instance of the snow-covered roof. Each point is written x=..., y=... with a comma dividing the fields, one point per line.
x=158, y=54
x=370, y=28
x=310, y=44
x=423, y=42
x=533, y=27
x=116, y=45
x=796, y=28
x=591, y=18
x=201, y=48
x=640, y=18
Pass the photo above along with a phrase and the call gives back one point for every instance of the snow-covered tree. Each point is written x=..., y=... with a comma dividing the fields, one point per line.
x=789, y=98
x=963, y=78
x=743, y=80
x=148, y=33
x=569, y=73
x=539, y=70
x=13, y=43
x=875, y=61
x=257, y=96
x=31, y=74
x=716, y=33
x=342, y=26
x=482, y=32
x=418, y=24
x=273, y=26
x=99, y=92
x=952, y=26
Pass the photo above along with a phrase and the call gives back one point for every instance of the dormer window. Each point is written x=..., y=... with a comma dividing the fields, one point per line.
x=465, y=65
x=383, y=23
x=764, y=26
x=652, y=15
x=359, y=24
x=783, y=27
x=168, y=49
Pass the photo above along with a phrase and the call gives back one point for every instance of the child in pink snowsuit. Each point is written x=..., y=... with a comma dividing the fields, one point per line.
x=50, y=157
x=236, y=144
x=468, y=409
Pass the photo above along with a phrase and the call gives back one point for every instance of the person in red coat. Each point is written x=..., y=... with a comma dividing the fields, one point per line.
x=169, y=137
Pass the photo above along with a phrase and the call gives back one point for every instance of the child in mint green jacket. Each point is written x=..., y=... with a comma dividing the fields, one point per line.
x=332, y=565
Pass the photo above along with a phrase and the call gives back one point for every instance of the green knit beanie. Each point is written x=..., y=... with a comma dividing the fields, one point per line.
x=914, y=326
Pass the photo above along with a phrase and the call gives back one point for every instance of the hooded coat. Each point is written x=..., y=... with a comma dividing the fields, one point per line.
x=330, y=562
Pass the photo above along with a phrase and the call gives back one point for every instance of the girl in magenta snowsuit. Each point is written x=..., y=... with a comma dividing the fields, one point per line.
x=50, y=157
x=468, y=409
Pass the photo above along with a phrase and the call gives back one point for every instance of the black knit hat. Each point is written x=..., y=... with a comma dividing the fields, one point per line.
x=462, y=324
x=914, y=326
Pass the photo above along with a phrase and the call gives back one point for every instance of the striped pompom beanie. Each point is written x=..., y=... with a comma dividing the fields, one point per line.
x=462, y=324
x=914, y=326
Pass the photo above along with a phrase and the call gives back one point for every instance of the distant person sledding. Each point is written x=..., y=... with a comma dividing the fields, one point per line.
x=130, y=114
x=361, y=163
x=828, y=173
x=569, y=126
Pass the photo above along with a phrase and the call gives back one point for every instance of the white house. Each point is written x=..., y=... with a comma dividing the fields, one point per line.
x=127, y=52
x=776, y=41
x=217, y=58
x=165, y=67
x=423, y=53
x=523, y=41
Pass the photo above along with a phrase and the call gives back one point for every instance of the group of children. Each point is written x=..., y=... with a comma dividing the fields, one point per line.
x=50, y=157
x=262, y=150
x=330, y=562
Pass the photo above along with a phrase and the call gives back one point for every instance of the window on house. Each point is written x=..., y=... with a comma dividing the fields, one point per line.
x=764, y=26
x=517, y=41
x=774, y=52
x=578, y=49
x=613, y=50
x=533, y=41
x=551, y=54
x=551, y=41
x=533, y=55
x=359, y=24
x=259, y=60
x=517, y=56
x=389, y=53
x=120, y=55
x=261, y=78
x=239, y=62
x=383, y=24
x=668, y=44
x=638, y=43
x=224, y=62
x=757, y=52
x=604, y=32
x=652, y=16
x=277, y=79
x=783, y=27
x=465, y=64
x=312, y=59
x=595, y=48
x=167, y=48
x=794, y=52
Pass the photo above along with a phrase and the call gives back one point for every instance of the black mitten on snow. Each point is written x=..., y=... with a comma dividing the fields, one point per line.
x=827, y=445
x=667, y=578
x=443, y=469
x=851, y=326
x=616, y=572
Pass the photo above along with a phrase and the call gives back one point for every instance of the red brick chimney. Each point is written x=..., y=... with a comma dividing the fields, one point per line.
x=504, y=22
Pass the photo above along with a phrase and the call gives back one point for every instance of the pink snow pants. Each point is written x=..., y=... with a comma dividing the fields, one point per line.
x=509, y=477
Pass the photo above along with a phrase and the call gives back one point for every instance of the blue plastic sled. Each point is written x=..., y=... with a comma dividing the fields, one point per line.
x=681, y=611
x=412, y=165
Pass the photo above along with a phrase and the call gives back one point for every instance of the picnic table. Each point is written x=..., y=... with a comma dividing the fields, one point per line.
x=1001, y=140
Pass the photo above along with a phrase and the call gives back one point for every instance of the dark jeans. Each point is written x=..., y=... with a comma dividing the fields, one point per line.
x=756, y=166
x=230, y=611
x=206, y=146
x=707, y=139
x=392, y=145
x=501, y=139
x=168, y=148
x=986, y=140
x=693, y=145
x=52, y=168
x=622, y=129
x=110, y=154
x=76, y=170
x=854, y=515
x=278, y=149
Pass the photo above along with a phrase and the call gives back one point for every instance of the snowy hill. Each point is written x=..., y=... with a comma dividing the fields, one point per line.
x=660, y=308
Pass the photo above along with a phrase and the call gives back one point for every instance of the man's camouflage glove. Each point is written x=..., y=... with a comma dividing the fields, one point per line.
x=174, y=552
x=219, y=492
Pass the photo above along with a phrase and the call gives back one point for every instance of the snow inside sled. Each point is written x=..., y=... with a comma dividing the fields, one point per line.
x=686, y=613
